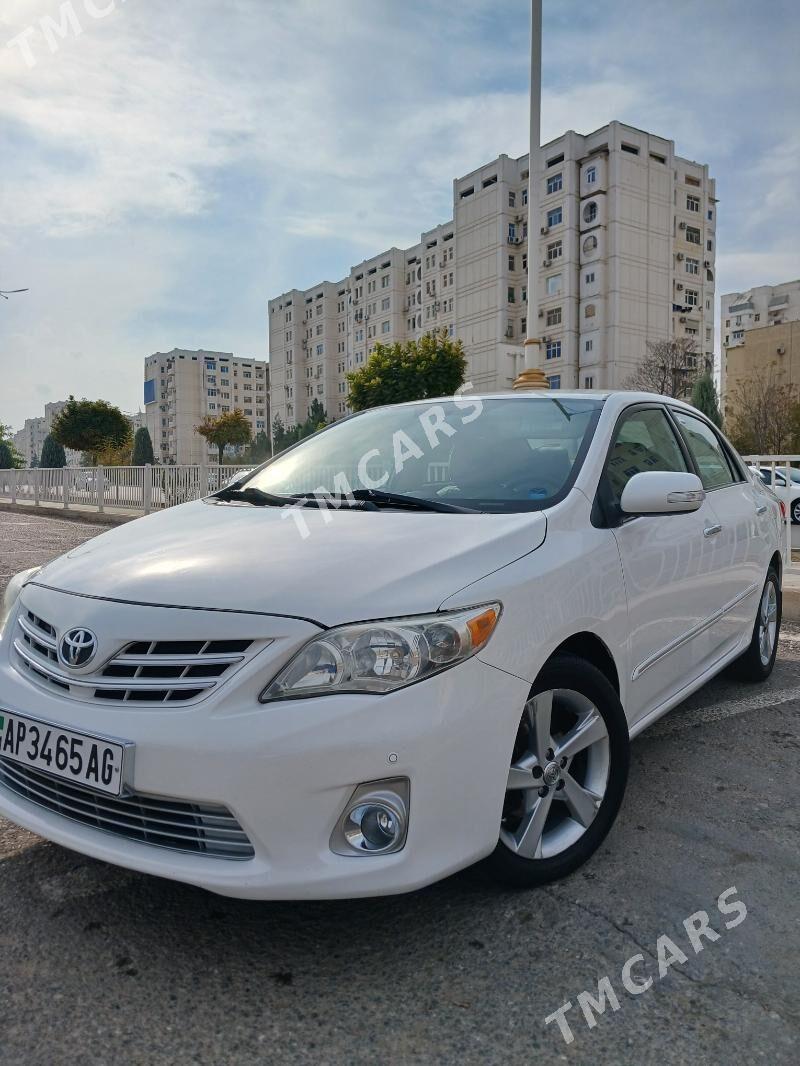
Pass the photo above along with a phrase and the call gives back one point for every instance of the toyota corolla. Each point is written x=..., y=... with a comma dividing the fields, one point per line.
x=423, y=637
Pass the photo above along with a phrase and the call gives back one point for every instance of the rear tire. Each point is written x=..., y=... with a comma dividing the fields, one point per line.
x=796, y=512
x=569, y=768
x=757, y=662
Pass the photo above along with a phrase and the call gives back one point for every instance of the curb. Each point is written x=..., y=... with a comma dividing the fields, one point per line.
x=87, y=517
x=790, y=608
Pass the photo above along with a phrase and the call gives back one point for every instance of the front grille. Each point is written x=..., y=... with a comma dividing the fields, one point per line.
x=145, y=671
x=199, y=828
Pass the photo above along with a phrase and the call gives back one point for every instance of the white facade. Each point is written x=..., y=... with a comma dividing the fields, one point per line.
x=29, y=441
x=181, y=387
x=757, y=308
x=626, y=249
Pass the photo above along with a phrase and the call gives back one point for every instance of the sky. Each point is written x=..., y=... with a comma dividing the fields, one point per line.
x=165, y=169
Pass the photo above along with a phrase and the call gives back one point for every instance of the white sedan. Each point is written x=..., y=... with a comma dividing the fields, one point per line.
x=418, y=639
x=778, y=481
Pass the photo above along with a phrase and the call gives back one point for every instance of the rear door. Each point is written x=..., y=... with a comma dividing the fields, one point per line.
x=666, y=561
x=742, y=538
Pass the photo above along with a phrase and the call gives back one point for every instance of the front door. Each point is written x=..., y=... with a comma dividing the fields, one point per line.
x=666, y=563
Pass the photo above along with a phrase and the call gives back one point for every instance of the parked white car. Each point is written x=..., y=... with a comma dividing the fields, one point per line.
x=779, y=482
x=420, y=638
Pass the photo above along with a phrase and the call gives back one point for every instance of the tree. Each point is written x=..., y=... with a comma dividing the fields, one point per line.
x=259, y=450
x=763, y=415
x=416, y=370
x=90, y=426
x=10, y=459
x=283, y=438
x=669, y=368
x=704, y=398
x=53, y=454
x=231, y=427
x=142, y=448
x=33, y=464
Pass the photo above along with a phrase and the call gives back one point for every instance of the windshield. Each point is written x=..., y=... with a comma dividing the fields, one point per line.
x=793, y=474
x=515, y=454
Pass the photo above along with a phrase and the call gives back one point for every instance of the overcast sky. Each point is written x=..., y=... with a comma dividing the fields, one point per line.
x=170, y=167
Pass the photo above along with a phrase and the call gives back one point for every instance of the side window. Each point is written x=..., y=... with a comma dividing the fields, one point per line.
x=712, y=462
x=645, y=440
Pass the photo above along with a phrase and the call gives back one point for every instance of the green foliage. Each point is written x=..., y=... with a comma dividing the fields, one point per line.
x=283, y=438
x=91, y=426
x=416, y=370
x=231, y=427
x=259, y=450
x=704, y=398
x=10, y=459
x=142, y=448
x=34, y=462
x=53, y=454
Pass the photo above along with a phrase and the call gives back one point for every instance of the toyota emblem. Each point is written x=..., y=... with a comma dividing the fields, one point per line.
x=77, y=647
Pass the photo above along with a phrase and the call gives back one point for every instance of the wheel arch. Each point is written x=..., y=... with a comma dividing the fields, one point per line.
x=777, y=562
x=588, y=646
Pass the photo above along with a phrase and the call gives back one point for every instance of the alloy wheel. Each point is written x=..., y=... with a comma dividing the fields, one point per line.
x=558, y=774
x=767, y=622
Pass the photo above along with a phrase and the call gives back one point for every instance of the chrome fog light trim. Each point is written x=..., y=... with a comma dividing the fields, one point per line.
x=374, y=820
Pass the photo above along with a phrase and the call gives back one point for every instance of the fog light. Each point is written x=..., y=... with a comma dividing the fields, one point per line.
x=375, y=820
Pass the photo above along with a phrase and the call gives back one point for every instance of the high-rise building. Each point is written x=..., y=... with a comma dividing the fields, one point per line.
x=29, y=441
x=625, y=253
x=181, y=387
x=760, y=335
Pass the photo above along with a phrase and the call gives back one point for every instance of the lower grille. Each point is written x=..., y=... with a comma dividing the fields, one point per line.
x=200, y=828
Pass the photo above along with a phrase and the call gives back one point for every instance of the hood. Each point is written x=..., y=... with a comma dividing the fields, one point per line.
x=356, y=565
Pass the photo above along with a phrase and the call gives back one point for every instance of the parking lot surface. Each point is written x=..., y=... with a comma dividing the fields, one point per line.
x=99, y=965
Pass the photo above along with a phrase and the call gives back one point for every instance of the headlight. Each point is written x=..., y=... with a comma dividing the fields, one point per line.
x=379, y=657
x=11, y=595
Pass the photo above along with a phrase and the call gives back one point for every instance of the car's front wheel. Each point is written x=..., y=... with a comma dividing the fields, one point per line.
x=796, y=511
x=567, y=777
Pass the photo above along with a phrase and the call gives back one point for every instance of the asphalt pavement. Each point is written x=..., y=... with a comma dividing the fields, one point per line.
x=99, y=965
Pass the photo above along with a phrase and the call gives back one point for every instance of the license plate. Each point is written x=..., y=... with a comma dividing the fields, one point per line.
x=93, y=762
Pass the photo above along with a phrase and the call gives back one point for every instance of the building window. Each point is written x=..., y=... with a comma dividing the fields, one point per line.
x=692, y=235
x=554, y=251
x=554, y=316
x=511, y=263
x=590, y=278
x=385, y=303
x=553, y=284
x=589, y=244
x=385, y=327
x=590, y=212
x=524, y=294
x=512, y=232
x=588, y=346
x=555, y=217
x=588, y=383
x=692, y=203
x=691, y=297
x=385, y=281
x=511, y=294
x=710, y=215
x=554, y=184
x=320, y=349
x=553, y=350
x=738, y=334
x=211, y=392
x=692, y=265
x=554, y=381
x=591, y=175
x=512, y=199
x=590, y=311
x=524, y=197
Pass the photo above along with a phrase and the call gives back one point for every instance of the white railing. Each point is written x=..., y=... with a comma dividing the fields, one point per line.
x=776, y=468
x=130, y=488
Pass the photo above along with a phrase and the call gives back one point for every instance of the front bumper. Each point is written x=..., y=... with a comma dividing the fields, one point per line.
x=286, y=771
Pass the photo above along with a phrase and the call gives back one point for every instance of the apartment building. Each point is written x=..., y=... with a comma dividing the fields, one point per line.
x=181, y=387
x=625, y=253
x=29, y=441
x=760, y=335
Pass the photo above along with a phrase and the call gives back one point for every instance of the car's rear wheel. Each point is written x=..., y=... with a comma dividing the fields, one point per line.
x=757, y=662
x=567, y=777
x=796, y=512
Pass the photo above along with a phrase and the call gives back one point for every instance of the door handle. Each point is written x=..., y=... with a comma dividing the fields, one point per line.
x=710, y=531
x=761, y=509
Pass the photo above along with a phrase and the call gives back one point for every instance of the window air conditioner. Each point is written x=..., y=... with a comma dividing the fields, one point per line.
x=544, y=230
x=681, y=225
x=679, y=286
x=679, y=257
x=541, y=314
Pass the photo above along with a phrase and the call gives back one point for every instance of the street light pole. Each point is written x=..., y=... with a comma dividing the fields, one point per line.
x=531, y=377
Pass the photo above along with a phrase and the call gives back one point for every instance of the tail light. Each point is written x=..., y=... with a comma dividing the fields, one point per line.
x=782, y=506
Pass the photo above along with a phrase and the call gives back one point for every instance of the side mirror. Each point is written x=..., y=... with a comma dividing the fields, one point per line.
x=662, y=492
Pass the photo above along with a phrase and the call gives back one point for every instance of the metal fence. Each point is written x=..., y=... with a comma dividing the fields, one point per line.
x=782, y=474
x=109, y=488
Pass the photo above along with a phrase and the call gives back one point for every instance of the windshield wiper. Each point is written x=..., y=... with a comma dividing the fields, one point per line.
x=256, y=497
x=397, y=499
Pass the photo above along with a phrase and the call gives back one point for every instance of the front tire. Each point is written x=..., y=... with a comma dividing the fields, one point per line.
x=757, y=662
x=796, y=512
x=569, y=768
